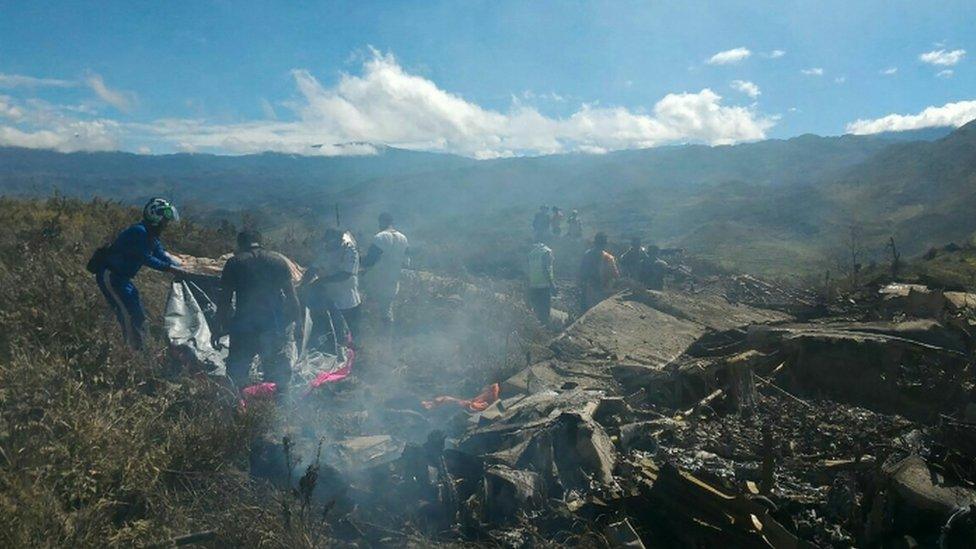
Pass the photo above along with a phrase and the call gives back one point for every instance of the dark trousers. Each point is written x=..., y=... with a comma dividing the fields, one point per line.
x=274, y=346
x=123, y=296
x=541, y=301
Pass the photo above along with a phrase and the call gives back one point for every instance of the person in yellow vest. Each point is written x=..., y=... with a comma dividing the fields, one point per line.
x=542, y=282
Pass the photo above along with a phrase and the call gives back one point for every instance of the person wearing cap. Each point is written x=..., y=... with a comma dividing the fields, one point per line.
x=258, y=307
x=116, y=265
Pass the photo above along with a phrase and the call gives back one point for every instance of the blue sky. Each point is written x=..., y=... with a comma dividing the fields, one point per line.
x=482, y=79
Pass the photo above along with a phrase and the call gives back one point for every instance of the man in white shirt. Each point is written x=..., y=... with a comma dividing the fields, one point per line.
x=386, y=257
x=334, y=281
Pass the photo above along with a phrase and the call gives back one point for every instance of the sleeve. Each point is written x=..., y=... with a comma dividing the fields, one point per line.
x=350, y=260
x=135, y=244
x=380, y=241
x=158, y=258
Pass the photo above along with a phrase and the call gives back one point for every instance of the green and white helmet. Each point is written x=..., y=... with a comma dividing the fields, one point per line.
x=159, y=210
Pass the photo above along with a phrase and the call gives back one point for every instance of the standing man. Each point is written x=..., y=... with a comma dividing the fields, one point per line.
x=556, y=221
x=574, y=227
x=334, y=286
x=115, y=266
x=542, y=282
x=540, y=223
x=634, y=261
x=388, y=254
x=598, y=272
x=652, y=276
x=267, y=309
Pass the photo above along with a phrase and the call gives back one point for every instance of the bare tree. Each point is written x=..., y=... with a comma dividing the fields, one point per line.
x=895, y=257
x=855, y=251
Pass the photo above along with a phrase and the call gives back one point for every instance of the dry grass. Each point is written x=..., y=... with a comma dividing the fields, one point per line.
x=97, y=446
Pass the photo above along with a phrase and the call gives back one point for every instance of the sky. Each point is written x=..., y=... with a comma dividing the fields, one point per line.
x=483, y=79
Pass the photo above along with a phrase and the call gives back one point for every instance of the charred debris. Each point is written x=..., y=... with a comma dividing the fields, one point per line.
x=737, y=413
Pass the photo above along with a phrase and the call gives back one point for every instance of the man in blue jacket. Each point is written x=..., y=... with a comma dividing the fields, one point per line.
x=134, y=247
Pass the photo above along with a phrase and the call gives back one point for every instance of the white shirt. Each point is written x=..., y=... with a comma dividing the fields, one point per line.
x=384, y=276
x=345, y=258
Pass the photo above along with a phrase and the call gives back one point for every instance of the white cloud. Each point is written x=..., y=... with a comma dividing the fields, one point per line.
x=942, y=57
x=268, y=110
x=746, y=87
x=120, y=100
x=37, y=124
x=729, y=57
x=889, y=71
x=950, y=114
x=775, y=54
x=386, y=104
x=9, y=110
x=945, y=73
x=78, y=135
x=840, y=79
x=22, y=81
x=813, y=71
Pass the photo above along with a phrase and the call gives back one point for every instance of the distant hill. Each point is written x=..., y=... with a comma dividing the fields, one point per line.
x=771, y=206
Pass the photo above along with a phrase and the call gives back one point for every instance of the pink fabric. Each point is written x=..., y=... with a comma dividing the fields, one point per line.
x=268, y=389
x=260, y=390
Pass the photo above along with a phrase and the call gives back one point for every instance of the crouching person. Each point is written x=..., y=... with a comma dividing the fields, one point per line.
x=258, y=307
x=115, y=266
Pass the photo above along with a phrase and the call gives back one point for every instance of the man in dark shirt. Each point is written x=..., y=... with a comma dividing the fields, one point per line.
x=266, y=310
x=634, y=260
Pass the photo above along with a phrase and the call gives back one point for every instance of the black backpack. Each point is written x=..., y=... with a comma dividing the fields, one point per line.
x=98, y=259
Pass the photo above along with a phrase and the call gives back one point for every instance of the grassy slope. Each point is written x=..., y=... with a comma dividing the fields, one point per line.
x=96, y=447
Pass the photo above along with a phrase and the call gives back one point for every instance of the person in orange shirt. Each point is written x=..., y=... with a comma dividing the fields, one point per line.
x=598, y=272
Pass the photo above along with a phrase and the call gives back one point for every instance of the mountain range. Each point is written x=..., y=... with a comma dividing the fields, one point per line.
x=774, y=206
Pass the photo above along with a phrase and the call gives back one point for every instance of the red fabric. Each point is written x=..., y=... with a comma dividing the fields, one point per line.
x=476, y=404
x=258, y=391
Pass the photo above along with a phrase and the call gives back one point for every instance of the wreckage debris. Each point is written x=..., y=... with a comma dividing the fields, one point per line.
x=663, y=419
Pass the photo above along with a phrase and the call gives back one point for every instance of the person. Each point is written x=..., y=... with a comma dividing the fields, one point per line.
x=384, y=260
x=598, y=271
x=655, y=269
x=115, y=266
x=574, y=228
x=556, y=221
x=258, y=307
x=634, y=261
x=540, y=223
x=542, y=283
x=333, y=279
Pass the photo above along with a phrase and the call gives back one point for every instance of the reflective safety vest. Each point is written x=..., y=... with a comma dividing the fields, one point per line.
x=540, y=266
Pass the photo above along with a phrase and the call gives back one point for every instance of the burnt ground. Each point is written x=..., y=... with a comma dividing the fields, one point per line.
x=734, y=413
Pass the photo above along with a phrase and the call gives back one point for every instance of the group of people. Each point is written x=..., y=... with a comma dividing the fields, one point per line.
x=598, y=272
x=260, y=303
x=548, y=222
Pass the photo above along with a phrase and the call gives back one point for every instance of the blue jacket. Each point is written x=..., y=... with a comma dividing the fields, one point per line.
x=135, y=247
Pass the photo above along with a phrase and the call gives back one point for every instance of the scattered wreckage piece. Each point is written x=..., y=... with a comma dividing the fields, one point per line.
x=889, y=368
